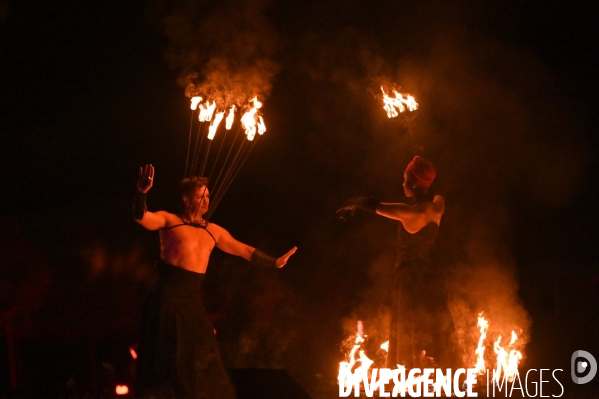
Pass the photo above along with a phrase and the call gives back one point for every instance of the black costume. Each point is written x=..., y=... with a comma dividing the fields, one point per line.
x=178, y=353
x=421, y=319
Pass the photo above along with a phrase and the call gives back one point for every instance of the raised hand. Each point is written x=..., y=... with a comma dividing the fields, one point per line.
x=145, y=179
x=283, y=259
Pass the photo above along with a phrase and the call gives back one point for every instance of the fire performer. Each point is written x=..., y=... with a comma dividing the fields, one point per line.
x=178, y=352
x=421, y=323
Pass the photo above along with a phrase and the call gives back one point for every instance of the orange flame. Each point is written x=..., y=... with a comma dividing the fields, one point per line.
x=349, y=365
x=122, y=389
x=133, y=353
x=248, y=120
x=385, y=346
x=194, y=102
x=206, y=111
x=230, y=117
x=506, y=362
x=483, y=325
x=214, y=124
x=399, y=103
x=257, y=104
x=261, y=126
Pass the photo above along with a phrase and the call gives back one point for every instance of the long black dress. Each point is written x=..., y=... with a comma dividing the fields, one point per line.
x=178, y=355
x=421, y=320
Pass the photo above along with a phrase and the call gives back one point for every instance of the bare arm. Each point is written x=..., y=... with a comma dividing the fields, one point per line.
x=225, y=242
x=418, y=214
x=153, y=220
x=413, y=217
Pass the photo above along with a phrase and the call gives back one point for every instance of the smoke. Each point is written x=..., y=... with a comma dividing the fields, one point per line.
x=493, y=118
x=223, y=49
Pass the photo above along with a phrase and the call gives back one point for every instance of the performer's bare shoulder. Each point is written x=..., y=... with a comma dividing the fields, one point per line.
x=187, y=240
x=413, y=217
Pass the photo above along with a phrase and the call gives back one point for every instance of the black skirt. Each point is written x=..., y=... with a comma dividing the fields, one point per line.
x=178, y=354
x=421, y=319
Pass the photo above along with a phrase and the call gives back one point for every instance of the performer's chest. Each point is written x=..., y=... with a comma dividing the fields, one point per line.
x=187, y=238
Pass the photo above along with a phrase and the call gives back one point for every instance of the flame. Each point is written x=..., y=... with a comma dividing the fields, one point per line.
x=506, y=362
x=483, y=325
x=194, y=102
x=230, y=117
x=385, y=346
x=206, y=111
x=400, y=102
x=214, y=124
x=345, y=367
x=261, y=126
x=133, y=353
x=257, y=104
x=202, y=115
x=365, y=363
x=122, y=389
x=248, y=120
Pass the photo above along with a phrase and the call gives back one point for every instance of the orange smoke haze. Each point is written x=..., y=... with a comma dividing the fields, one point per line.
x=224, y=52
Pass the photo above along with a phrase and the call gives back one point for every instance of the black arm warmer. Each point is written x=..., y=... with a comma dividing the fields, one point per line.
x=367, y=204
x=139, y=205
x=260, y=259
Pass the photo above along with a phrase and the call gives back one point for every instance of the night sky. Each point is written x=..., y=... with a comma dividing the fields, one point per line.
x=91, y=91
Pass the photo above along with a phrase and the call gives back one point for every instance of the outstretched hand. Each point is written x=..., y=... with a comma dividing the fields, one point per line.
x=283, y=259
x=348, y=210
x=145, y=179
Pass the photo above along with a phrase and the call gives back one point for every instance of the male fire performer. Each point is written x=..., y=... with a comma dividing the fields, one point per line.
x=178, y=353
x=421, y=323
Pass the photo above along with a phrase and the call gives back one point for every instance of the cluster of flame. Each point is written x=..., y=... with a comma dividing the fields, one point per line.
x=506, y=362
x=210, y=117
x=398, y=104
x=251, y=121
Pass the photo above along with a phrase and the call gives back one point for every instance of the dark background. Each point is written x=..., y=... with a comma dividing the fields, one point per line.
x=508, y=99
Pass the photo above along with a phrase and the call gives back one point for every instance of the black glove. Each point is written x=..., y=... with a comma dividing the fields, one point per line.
x=261, y=259
x=349, y=208
x=139, y=205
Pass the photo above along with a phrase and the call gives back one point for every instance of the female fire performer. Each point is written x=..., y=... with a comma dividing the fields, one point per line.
x=421, y=324
x=178, y=354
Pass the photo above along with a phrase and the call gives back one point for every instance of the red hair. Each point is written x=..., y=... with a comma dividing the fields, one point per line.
x=420, y=173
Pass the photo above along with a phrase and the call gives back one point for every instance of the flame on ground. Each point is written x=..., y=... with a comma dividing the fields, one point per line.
x=483, y=325
x=506, y=364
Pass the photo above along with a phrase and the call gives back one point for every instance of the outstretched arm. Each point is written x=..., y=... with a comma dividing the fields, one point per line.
x=225, y=242
x=149, y=220
x=408, y=214
x=418, y=213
